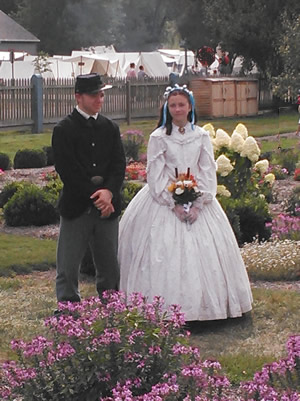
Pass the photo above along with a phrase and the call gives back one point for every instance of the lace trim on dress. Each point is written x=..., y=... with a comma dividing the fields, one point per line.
x=155, y=157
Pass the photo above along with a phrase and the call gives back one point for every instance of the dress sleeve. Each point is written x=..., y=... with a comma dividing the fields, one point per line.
x=157, y=177
x=206, y=177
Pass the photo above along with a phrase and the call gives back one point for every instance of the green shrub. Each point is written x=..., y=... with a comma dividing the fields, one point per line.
x=130, y=189
x=248, y=217
x=4, y=161
x=30, y=158
x=9, y=190
x=30, y=206
x=132, y=140
x=49, y=155
x=287, y=158
x=54, y=186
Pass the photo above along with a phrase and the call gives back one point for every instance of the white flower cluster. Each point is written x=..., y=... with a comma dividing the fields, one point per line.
x=239, y=141
x=176, y=87
x=224, y=166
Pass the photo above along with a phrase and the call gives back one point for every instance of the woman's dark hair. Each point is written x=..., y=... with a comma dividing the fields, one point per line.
x=169, y=117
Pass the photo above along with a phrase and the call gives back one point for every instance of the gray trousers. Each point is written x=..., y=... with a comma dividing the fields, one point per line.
x=74, y=237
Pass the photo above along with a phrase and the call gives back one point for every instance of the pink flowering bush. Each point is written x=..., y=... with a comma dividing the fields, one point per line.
x=285, y=226
x=107, y=349
x=278, y=381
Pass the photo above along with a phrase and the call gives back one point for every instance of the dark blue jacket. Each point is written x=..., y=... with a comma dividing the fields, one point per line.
x=82, y=150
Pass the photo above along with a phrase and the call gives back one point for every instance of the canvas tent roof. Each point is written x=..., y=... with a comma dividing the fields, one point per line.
x=11, y=31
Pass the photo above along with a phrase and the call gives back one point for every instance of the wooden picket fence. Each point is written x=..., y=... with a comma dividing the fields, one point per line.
x=126, y=100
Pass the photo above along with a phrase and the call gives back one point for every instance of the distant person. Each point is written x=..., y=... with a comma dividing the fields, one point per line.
x=141, y=74
x=131, y=74
x=90, y=160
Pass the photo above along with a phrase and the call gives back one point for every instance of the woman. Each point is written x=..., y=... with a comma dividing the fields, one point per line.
x=189, y=256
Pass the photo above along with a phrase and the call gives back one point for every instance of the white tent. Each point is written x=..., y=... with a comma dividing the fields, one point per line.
x=104, y=64
x=178, y=57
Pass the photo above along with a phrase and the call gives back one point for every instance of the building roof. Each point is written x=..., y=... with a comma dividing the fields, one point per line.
x=11, y=31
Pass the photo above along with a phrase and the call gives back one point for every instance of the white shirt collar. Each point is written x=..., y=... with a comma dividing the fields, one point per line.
x=85, y=115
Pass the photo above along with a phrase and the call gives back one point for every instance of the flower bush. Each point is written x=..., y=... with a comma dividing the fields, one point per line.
x=112, y=350
x=132, y=140
x=244, y=183
x=285, y=226
x=278, y=380
x=136, y=171
x=272, y=260
x=279, y=172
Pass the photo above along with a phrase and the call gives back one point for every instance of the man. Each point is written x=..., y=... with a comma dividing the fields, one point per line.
x=90, y=160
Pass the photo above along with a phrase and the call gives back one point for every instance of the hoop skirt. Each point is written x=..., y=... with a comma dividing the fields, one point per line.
x=197, y=266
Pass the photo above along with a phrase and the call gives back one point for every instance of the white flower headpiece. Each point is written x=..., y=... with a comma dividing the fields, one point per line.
x=178, y=88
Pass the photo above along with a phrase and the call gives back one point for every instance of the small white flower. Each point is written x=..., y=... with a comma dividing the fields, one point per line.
x=210, y=128
x=242, y=130
x=270, y=178
x=186, y=183
x=196, y=189
x=262, y=166
x=222, y=139
x=179, y=191
x=262, y=196
x=250, y=149
x=237, y=142
x=224, y=167
x=222, y=190
x=179, y=183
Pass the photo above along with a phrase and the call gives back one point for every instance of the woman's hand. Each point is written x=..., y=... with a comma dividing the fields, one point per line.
x=192, y=215
x=180, y=212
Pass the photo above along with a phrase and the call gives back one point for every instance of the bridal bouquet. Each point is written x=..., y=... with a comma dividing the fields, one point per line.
x=184, y=189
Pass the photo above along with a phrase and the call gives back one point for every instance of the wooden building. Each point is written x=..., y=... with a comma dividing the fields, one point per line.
x=225, y=97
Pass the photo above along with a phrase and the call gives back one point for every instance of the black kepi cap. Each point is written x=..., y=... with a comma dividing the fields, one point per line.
x=90, y=84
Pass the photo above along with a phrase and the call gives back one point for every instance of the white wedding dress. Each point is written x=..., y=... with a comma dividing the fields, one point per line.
x=198, y=266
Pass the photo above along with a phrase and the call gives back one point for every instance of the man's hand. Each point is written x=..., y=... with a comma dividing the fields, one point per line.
x=102, y=201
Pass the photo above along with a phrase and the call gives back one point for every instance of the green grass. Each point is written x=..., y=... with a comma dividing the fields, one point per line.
x=258, y=126
x=244, y=345
x=20, y=254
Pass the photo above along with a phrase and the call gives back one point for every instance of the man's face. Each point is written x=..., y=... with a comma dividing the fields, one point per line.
x=90, y=104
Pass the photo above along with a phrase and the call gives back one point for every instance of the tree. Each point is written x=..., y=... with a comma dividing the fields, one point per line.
x=288, y=81
x=144, y=24
x=9, y=6
x=248, y=29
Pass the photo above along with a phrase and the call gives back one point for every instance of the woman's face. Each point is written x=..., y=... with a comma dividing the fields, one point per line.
x=179, y=108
